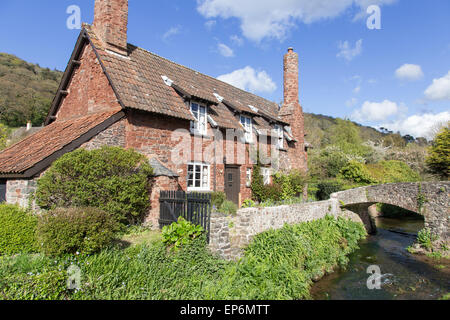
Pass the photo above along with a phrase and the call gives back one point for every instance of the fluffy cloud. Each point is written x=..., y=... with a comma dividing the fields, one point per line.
x=377, y=111
x=237, y=40
x=419, y=125
x=439, y=89
x=409, y=72
x=225, y=50
x=272, y=19
x=347, y=52
x=249, y=79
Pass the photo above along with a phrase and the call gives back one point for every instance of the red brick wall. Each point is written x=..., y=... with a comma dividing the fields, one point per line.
x=89, y=89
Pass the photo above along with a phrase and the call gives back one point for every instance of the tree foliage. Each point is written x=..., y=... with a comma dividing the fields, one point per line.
x=3, y=136
x=438, y=160
x=110, y=178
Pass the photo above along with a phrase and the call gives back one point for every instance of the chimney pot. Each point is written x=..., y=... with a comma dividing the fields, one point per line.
x=290, y=49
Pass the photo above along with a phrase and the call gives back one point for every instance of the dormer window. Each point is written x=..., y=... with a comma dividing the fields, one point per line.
x=199, y=126
x=246, y=122
x=279, y=134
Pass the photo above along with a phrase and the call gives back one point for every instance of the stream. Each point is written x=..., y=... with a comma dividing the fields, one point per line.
x=405, y=276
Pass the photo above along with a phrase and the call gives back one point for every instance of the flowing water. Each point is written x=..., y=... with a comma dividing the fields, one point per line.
x=405, y=276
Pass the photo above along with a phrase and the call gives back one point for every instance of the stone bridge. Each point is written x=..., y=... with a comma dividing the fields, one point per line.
x=430, y=199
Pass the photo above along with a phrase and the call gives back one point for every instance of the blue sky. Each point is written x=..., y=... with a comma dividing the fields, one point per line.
x=398, y=76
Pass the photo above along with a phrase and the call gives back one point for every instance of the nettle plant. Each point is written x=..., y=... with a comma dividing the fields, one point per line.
x=180, y=233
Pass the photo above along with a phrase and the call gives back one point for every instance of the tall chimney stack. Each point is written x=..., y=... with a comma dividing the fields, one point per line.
x=292, y=112
x=111, y=23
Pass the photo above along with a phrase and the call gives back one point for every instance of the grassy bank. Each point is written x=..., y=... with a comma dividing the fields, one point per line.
x=277, y=265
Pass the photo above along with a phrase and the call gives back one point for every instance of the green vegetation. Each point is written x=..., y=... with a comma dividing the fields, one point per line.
x=112, y=179
x=425, y=238
x=356, y=172
x=26, y=91
x=180, y=233
x=17, y=230
x=438, y=161
x=326, y=188
x=4, y=132
x=217, y=198
x=75, y=230
x=277, y=265
x=228, y=208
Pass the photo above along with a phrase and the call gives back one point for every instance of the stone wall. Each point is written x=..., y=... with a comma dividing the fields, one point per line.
x=229, y=235
x=20, y=191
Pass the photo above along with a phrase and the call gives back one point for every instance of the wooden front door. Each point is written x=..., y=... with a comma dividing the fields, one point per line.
x=232, y=183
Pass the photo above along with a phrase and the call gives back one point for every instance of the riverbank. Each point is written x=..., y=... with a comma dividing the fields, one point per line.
x=277, y=265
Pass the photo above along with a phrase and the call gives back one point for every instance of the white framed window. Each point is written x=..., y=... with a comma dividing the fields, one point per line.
x=249, y=177
x=246, y=122
x=267, y=175
x=199, y=126
x=279, y=133
x=198, y=177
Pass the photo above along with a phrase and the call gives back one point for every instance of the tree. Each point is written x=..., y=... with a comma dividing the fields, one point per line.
x=346, y=135
x=3, y=136
x=438, y=160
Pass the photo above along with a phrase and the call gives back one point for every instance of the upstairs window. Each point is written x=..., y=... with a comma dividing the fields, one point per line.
x=246, y=122
x=198, y=177
x=280, y=136
x=199, y=126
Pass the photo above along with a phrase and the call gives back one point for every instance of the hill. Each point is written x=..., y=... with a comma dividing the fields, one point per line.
x=26, y=91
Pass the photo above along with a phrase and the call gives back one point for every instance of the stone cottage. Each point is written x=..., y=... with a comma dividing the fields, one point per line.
x=200, y=134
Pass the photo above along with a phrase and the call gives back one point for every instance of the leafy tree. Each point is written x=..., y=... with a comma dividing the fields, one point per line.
x=438, y=161
x=112, y=179
x=3, y=136
x=346, y=135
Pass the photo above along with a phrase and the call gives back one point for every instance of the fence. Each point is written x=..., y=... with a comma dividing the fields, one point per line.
x=194, y=207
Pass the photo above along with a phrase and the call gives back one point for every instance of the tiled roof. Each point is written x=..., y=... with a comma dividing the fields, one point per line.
x=27, y=153
x=139, y=84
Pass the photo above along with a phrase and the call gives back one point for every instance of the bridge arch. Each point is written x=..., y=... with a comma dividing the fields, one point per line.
x=430, y=199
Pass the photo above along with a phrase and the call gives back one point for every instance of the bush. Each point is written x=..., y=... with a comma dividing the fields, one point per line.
x=426, y=238
x=357, y=172
x=180, y=233
x=112, y=179
x=248, y=203
x=17, y=230
x=438, y=161
x=217, y=198
x=392, y=172
x=258, y=186
x=82, y=230
x=326, y=188
x=228, y=208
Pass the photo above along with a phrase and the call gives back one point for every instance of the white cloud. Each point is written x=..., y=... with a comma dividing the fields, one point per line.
x=409, y=72
x=347, y=52
x=249, y=79
x=210, y=24
x=377, y=111
x=419, y=125
x=439, y=89
x=237, y=40
x=272, y=19
x=225, y=50
x=171, y=32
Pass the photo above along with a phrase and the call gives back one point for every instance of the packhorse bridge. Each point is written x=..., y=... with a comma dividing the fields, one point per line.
x=230, y=234
x=430, y=199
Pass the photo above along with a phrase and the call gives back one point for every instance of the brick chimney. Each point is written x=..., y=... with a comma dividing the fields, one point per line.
x=111, y=23
x=292, y=112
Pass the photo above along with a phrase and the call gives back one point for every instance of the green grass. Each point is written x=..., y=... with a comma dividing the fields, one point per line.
x=278, y=264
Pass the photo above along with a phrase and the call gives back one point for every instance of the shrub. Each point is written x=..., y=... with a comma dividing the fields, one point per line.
x=228, y=208
x=110, y=178
x=326, y=188
x=392, y=171
x=248, y=203
x=180, y=233
x=357, y=172
x=17, y=230
x=82, y=230
x=257, y=184
x=217, y=198
x=438, y=161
